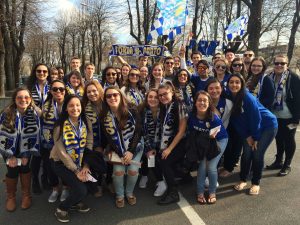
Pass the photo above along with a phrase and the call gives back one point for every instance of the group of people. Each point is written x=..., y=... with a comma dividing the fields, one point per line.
x=166, y=118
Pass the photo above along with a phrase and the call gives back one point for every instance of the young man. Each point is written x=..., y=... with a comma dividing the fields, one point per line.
x=74, y=65
x=247, y=58
x=229, y=55
x=169, y=68
x=89, y=70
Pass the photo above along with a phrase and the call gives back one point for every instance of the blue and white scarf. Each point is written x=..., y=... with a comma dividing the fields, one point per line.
x=106, y=85
x=167, y=130
x=24, y=136
x=74, y=140
x=278, y=101
x=71, y=91
x=39, y=96
x=121, y=139
x=93, y=116
x=187, y=95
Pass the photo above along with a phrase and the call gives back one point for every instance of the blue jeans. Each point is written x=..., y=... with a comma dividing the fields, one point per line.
x=211, y=169
x=118, y=176
x=255, y=158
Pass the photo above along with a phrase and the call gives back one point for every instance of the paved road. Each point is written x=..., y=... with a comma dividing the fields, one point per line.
x=278, y=203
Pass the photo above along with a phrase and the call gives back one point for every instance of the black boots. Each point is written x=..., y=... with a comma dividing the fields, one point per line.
x=170, y=196
x=276, y=165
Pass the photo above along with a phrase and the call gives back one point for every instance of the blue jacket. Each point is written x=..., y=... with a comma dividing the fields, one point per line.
x=254, y=119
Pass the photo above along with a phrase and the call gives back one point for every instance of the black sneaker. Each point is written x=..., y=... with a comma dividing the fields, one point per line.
x=36, y=187
x=284, y=171
x=62, y=216
x=274, y=166
x=80, y=207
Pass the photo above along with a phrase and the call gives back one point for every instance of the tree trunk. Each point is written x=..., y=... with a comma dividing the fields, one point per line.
x=296, y=22
x=2, y=71
x=254, y=25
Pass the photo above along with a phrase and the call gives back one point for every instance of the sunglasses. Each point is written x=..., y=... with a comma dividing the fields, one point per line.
x=23, y=97
x=111, y=74
x=171, y=63
x=221, y=67
x=109, y=96
x=56, y=89
x=237, y=65
x=280, y=63
x=40, y=71
x=248, y=55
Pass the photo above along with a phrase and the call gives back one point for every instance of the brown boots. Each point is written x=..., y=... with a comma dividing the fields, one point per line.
x=25, y=186
x=11, y=189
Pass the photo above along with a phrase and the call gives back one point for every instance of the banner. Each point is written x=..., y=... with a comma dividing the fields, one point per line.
x=237, y=28
x=137, y=50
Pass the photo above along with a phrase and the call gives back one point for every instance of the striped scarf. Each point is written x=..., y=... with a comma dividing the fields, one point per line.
x=151, y=130
x=167, y=129
x=24, y=136
x=39, y=96
x=74, y=140
x=71, y=91
x=92, y=115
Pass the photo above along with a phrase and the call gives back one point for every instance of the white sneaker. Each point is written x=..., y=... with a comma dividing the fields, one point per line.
x=64, y=195
x=143, y=182
x=53, y=197
x=161, y=188
x=207, y=183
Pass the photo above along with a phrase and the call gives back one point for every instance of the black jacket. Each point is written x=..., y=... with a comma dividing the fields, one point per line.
x=293, y=96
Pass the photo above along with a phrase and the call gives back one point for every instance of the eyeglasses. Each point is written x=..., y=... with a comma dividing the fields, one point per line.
x=258, y=66
x=171, y=63
x=202, y=68
x=248, y=55
x=221, y=67
x=183, y=75
x=163, y=94
x=280, y=63
x=134, y=75
x=111, y=74
x=237, y=65
x=40, y=71
x=23, y=97
x=109, y=96
x=56, y=89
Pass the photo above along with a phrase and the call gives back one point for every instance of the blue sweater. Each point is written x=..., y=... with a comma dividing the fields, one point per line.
x=206, y=125
x=254, y=119
x=199, y=84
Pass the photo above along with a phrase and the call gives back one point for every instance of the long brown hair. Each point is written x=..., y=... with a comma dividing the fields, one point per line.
x=10, y=110
x=211, y=108
x=99, y=88
x=123, y=108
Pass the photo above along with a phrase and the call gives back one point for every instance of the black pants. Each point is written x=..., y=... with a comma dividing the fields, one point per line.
x=78, y=189
x=48, y=173
x=233, y=149
x=285, y=141
x=35, y=166
x=168, y=164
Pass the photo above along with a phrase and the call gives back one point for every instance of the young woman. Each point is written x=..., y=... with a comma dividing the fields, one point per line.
x=122, y=126
x=51, y=111
x=156, y=76
x=173, y=117
x=92, y=101
x=19, y=135
x=221, y=72
x=72, y=136
x=133, y=89
x=151, y=138
x=54, y=74
x=125, y=70
x=75, y=85
x=110, y=77
x=259, y=84
x=256, y=125
x=39, y=87
x=183, y=87
x=237, y=66
x=203, y=120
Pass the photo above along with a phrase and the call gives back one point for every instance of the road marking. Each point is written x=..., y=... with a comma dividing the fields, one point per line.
x=189, y=212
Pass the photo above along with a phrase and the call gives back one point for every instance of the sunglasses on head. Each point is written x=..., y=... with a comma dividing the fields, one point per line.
x=248, y=55
x=109, y=96
x=40, y=71
x=56, y=89
x=279, y=63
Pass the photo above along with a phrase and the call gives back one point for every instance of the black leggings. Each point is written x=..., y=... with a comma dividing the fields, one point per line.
x=15, y=171
x=168, y=164
x=285, y=141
